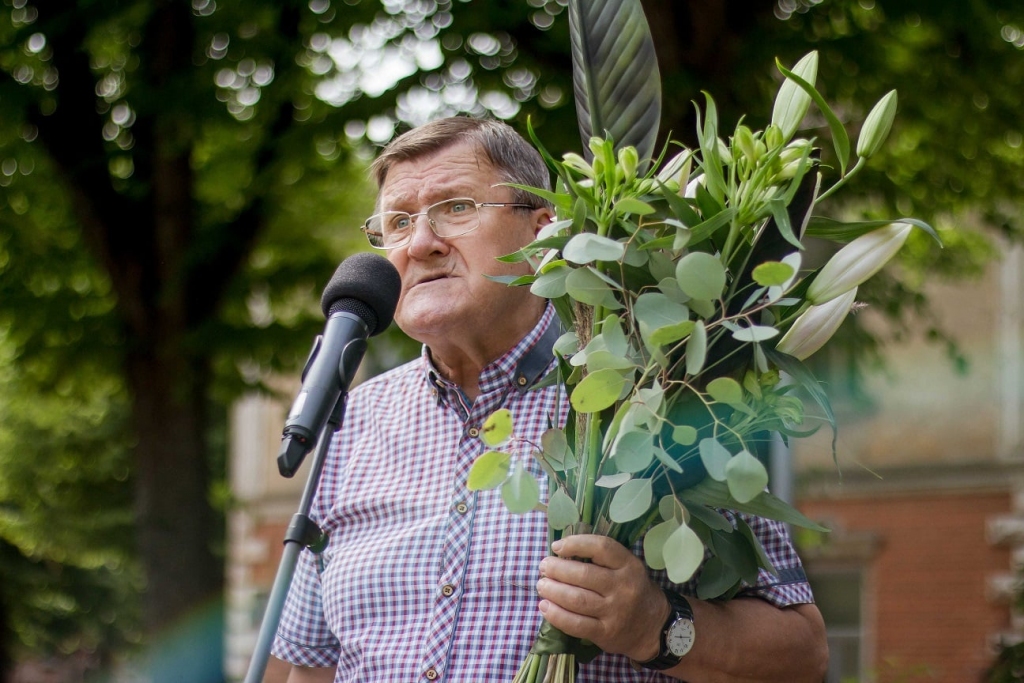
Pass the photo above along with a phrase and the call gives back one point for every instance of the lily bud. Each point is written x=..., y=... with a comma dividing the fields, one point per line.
x=578, y=163
x=857, y=261
x=773, y=137
x=792, y=102
x=876, y=126
x=744, y=140
x=628, y=160
x=815, y=326
x=676, y=168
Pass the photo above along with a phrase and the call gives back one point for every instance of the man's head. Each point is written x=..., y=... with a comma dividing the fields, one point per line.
x=447, y=300
x=513, y=157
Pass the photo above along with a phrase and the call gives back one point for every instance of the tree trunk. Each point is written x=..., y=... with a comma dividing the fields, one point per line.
x=176, y=526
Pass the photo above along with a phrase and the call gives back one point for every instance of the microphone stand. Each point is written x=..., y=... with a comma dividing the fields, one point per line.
x=302, y=532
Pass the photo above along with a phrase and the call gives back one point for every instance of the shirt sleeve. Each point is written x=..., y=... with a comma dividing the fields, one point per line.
x=788, y=586
x=303, y=638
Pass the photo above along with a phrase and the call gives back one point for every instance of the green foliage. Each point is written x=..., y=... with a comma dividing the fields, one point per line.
x=686, y=295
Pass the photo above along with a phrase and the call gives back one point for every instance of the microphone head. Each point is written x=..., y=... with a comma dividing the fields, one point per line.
x=367, y=285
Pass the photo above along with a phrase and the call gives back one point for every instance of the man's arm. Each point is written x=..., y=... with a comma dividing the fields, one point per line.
x=279, y=671
x=612, y=602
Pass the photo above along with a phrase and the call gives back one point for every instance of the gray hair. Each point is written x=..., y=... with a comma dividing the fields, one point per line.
x=508, y=152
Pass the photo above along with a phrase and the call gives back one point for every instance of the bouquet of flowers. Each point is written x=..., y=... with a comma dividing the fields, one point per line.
x=689, y=308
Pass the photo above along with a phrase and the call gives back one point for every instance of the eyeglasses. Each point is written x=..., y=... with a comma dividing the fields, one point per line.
x=450, y=218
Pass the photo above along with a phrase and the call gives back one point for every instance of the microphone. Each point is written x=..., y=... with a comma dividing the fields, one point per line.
x=358, y=302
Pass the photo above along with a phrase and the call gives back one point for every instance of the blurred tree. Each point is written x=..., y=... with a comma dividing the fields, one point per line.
x=177, y=184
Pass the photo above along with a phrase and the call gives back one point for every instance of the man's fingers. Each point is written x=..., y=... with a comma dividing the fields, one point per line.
x=571, y=623
x=601, y=550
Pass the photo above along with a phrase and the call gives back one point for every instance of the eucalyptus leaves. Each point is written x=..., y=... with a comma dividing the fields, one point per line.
x=687, y=298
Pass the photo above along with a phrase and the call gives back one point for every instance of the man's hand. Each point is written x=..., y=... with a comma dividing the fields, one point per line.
x=608, y=600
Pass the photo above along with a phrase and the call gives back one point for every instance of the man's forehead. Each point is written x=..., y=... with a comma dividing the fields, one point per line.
x=460, y=168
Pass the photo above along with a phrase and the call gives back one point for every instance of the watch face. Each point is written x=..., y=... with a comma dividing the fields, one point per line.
x=679, y=638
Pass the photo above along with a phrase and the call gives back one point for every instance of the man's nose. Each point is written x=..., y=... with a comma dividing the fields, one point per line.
x=422, y=232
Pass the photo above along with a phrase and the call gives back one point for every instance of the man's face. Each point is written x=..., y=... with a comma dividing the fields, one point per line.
x=445, y=295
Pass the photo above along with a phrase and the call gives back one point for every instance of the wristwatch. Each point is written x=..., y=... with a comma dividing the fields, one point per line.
x=677, y=635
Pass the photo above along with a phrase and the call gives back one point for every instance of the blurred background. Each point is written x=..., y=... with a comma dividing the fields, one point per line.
x=179, y=179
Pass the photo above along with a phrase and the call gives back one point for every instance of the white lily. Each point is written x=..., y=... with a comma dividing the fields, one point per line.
x=857, y=261
x=815, y=326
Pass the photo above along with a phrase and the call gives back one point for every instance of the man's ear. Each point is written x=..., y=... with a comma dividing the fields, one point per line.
x=541, y=218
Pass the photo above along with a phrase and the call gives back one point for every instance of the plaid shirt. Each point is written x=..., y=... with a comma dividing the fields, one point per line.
x=423, y=580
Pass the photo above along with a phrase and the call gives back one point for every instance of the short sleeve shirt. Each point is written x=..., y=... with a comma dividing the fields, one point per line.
x=422, y=579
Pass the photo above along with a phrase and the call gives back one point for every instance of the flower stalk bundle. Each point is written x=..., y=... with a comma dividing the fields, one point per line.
x=689, y=308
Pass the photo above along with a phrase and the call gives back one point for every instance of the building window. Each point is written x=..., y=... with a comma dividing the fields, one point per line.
x=837, y=593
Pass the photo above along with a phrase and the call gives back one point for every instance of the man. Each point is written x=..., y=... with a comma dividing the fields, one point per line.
x=425, y=580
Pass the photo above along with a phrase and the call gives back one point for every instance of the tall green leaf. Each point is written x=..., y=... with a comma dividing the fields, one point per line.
x=615, y=74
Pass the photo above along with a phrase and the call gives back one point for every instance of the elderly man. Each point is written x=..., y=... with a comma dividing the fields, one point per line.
x=426, y=580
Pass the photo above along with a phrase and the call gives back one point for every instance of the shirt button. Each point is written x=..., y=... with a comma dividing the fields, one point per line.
x=431, y=674
x=447, y=590
x=474, y=432
x=461, y=508
x=521, y=381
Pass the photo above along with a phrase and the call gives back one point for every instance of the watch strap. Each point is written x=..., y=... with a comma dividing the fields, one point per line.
x=680, y=610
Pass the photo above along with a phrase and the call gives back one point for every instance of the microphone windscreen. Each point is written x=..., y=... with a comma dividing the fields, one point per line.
x=371, y=280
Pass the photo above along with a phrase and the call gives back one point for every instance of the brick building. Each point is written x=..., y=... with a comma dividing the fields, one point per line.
x=916, y=578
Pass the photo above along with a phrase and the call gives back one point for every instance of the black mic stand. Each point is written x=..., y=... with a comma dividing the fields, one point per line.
x=302, y=532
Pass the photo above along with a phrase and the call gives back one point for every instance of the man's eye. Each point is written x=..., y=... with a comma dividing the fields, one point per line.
x=401, y=222
x=459, y=207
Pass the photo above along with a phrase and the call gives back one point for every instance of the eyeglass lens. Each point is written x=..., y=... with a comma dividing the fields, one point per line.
x=450, y=218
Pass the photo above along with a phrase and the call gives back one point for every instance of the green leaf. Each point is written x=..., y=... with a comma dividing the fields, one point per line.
x=488, y=471
x=755, y=333
x=555, y=449
x=597, y=391
x=587, y=247
x=809, y=383
x=631, y=501
x=551, y=285
x=725, y=389
x=712, y=518
x=702, y=231
x=634, y=451
x=683, y=552
x=716, y=494
x=696, y=349
x=680, y=207
x=520, y=492
x=718, y=580
x=701, y=275
x=745, y=476
x=684, y=435
x=615, y=74
x=672, y=333
x=612, y=481
x=656, y=310
x=654, y=543
x=614, y=338
x=715, y=457
x=497, y=428
x=842, y=231
x=772, y=273
x=755, y=544
x=562, y=511
x=586, y=286
x=735, y=551
x=783, y=223
x=632, y=205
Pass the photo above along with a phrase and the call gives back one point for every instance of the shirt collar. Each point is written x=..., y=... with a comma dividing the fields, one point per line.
x=520, y=367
